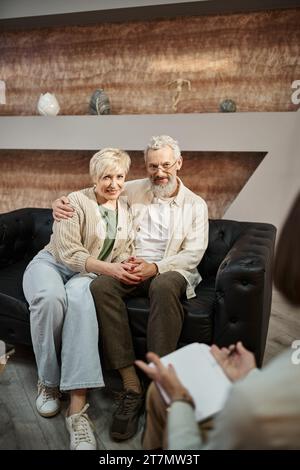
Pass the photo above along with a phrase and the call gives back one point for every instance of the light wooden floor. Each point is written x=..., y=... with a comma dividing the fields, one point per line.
x=284, y=327
x=23, y=428
x=26, y=429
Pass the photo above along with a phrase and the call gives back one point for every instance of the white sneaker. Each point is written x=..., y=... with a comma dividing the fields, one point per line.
x=81, y=432
x=47, y=402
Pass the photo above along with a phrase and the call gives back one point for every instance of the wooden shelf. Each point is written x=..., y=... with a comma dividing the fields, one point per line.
x=195, y=132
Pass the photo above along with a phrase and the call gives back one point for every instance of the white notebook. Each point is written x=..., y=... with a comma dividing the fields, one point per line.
x=202, y=376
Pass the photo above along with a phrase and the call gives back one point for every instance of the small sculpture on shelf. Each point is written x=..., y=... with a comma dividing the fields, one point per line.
x=227, y=106
x=178, y=85
x=48, y=105
x=99, y=103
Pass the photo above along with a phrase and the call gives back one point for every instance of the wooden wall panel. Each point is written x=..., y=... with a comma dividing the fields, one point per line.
x=35, y=178
x=251, y=58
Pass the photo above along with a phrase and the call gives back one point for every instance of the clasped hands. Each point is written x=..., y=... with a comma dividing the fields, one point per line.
x=133, y=271
x=138, y=270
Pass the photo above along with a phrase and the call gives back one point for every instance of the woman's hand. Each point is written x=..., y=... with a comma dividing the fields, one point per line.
x=120, y=271
x=164, y=376
x=62, y=209
x=236, y=361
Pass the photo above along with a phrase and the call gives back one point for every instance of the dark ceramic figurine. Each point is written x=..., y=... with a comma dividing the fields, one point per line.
x=228, y=106
x=99, y=103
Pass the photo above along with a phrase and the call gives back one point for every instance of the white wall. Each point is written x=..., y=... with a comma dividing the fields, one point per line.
x=24, y=8
x=270, y=191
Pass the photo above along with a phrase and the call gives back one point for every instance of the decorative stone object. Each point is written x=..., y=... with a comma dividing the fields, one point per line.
x=99, y=103
x=227, y=106
x=48, y=105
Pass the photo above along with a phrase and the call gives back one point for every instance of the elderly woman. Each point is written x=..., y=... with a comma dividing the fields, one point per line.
x=64, y=328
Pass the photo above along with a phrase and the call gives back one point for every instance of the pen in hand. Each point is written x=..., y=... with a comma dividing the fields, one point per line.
x=232, y=350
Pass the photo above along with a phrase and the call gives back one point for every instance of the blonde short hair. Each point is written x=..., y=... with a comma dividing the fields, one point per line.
x=109, y=160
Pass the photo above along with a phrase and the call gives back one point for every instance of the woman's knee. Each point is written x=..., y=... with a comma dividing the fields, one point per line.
x=78, y=289
x=49, y=300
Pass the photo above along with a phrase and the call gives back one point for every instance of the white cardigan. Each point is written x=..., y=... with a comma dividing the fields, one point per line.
x=76, y=239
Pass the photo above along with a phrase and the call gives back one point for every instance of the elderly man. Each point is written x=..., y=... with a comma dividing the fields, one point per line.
x=171, y=235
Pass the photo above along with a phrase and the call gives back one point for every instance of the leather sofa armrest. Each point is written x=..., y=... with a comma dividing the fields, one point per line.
x=244, y=290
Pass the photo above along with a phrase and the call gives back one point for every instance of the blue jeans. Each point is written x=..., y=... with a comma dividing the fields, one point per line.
x=63, y=322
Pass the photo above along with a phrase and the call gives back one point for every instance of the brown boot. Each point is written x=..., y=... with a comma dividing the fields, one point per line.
x=126, y=417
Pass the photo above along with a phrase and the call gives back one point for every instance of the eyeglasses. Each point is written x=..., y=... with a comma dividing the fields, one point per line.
x=164, y=167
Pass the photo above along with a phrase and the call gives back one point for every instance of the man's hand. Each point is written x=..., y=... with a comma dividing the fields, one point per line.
x=123, y=272
x=141, y=268
x=62, y=209
x=164, y=376
x=236, y=361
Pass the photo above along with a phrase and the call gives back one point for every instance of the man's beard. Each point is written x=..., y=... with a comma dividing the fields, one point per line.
x=164, y=190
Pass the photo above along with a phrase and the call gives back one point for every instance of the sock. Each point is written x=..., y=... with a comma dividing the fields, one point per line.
x=130, y=379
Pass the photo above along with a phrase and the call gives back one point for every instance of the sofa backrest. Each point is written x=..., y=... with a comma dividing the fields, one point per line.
x=23, y=233
x=223, y=234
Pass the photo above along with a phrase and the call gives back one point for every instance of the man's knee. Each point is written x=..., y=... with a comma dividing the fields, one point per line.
x=102, y=285
x=167, y=283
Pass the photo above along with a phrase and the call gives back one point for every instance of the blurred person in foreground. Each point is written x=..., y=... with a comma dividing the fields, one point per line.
x=262, y=410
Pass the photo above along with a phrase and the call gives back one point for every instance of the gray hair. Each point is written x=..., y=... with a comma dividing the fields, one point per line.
x=109, y=160
x=159, y=141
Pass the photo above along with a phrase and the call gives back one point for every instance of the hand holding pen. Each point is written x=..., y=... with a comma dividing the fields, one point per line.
x=236, y=361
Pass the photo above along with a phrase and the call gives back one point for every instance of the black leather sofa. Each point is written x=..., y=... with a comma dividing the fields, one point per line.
x=233, y=300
